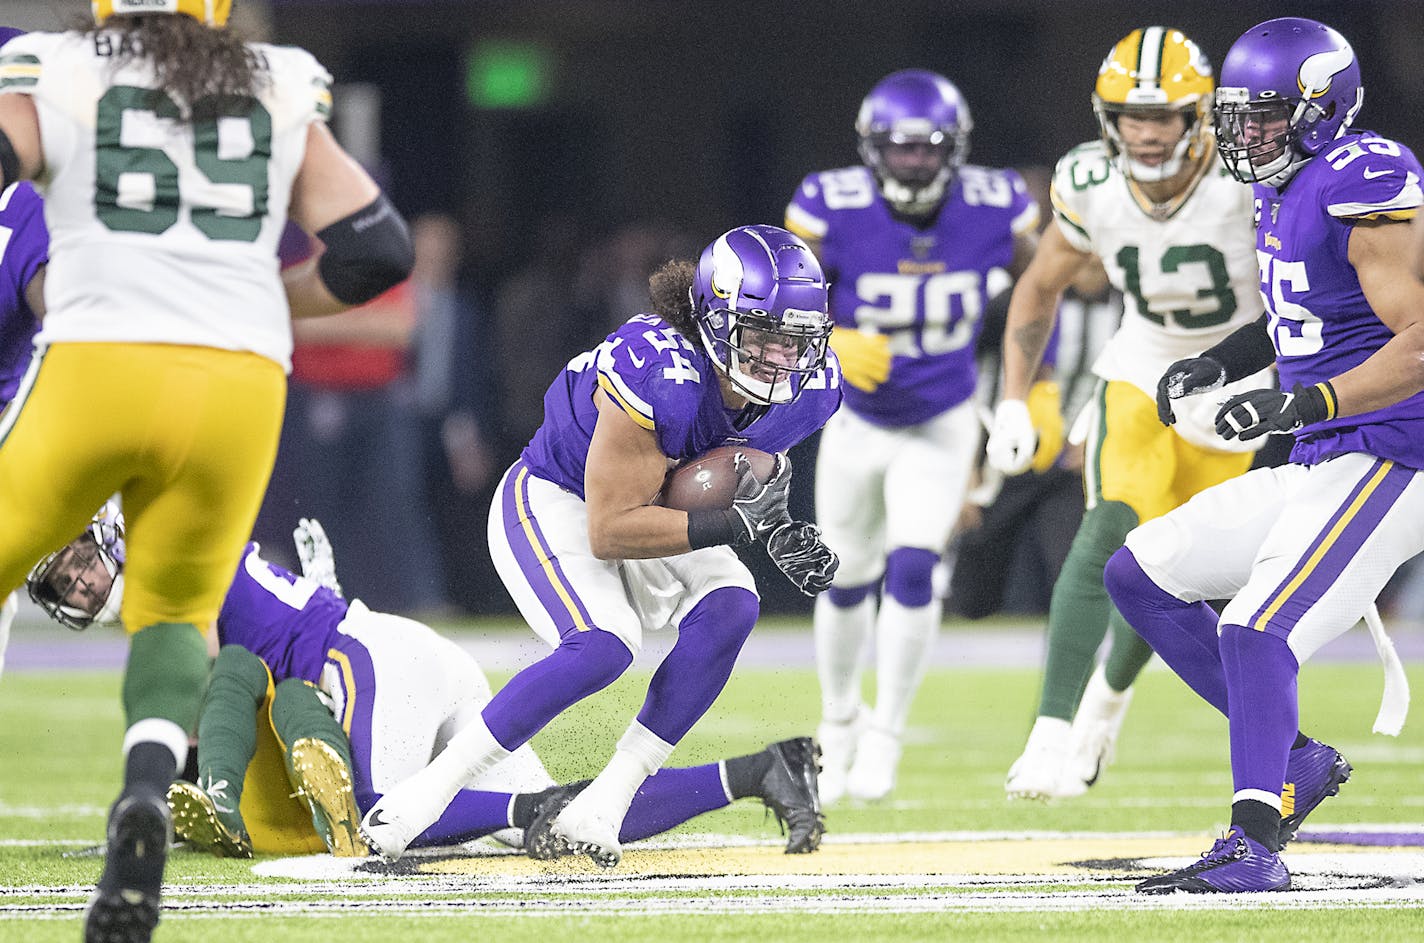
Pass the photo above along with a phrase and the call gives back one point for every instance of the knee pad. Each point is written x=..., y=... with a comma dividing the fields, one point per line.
x=848, y=597
x=909, y=576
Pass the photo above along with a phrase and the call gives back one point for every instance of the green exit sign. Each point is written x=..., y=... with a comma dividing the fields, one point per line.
x=502, y=74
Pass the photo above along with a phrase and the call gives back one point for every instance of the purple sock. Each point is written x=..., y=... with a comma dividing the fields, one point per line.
x=909, y=576
x=1261, y=673
x=470, y=815
x=671, y=797
x=583, y=663
x=1182, y=633
x=846, y=597
x=695, y=671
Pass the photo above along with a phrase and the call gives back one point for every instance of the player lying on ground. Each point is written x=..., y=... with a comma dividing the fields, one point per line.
x=399, y=689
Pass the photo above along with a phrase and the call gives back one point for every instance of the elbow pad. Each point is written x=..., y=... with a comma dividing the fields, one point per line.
x=366, y=253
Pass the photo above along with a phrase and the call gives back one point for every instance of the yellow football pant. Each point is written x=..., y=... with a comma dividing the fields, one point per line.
x=187, y=435
x=1133, y=458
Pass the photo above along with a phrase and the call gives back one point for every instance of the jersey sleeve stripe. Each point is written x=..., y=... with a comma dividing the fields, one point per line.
x=1026, y=221
x=1407, y=201
x=610, y=385
x=19, y=72
x=804, y=224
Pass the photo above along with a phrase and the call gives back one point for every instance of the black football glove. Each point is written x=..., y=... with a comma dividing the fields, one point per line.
x=761, y=505
x=1184, y=378
x=1259, y=412
x=798, y=551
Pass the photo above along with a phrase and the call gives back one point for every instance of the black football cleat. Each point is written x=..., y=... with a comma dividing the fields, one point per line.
x=124, y=908
x=789, y=790
x=540, y=841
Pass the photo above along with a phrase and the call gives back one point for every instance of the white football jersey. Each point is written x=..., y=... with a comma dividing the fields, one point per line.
x=164, y=231
x=1187, y=280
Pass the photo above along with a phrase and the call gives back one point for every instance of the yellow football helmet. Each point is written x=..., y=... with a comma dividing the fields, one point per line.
x=211, y=12
x=1153, y=69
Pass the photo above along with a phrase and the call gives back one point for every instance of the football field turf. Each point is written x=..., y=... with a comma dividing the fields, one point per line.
x=947, y=856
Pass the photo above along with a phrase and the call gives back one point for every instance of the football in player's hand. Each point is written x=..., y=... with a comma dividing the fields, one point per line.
x=709, y=482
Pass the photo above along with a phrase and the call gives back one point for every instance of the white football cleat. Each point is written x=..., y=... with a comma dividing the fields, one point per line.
x=1093, y=740
x=400, y=815
x=591, y=828
x=838, y=742
x=877, y=759
x=1041, y=772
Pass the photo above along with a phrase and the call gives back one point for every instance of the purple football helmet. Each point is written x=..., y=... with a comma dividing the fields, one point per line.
x=759, y=299
x=908, y=108
x=1288, y=88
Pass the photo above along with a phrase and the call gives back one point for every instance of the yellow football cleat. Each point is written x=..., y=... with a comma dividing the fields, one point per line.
x=197, y=823
x=319, y=775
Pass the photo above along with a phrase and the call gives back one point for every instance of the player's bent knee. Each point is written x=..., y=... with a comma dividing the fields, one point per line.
x=726, y=616
x=909, y=576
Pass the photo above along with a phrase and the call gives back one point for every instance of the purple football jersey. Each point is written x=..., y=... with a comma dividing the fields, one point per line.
x=24, y=249
x=669, y=385
x=286, y=620
x=1320, y=322
x=924, y=287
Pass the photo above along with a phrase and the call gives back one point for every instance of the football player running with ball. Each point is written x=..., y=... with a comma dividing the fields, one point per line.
x=1304, y=549
x=735, y=352
x=914, y=243
x=172, y=155
x=1174, y=233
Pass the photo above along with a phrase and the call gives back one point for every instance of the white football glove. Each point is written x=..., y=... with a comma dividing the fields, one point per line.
x=314, y=550
x=1012, y=439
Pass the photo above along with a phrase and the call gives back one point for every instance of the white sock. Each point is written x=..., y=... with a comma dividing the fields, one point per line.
x=7, y=616
x=841, y=636
x=469, y=753
x=903, y=637
x=640, y=754
x=158, y=730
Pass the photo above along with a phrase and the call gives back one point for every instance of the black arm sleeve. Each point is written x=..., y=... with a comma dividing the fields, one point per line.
x=366, y=253
x=1245, y=351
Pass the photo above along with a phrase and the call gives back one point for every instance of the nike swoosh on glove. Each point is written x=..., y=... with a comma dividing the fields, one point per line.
x=1260, y=412
x=798, y=551
x=1187, y=378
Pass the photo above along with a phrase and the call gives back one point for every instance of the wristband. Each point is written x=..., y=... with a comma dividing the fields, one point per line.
x=715, y=528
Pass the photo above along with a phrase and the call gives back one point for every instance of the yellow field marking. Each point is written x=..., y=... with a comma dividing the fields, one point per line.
x=993, y=857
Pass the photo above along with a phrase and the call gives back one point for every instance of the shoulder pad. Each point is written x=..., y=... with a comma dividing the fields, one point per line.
x=1371, y=177
x=647, y=367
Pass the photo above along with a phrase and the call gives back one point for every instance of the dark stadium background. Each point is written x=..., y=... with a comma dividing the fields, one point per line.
x=698, y=116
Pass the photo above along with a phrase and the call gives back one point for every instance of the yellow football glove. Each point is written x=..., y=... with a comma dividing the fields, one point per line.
x=864, y=357
x=1046, y=411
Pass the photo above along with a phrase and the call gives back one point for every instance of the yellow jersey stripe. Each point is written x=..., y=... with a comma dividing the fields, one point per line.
x=348, y=682
x=1325, y=545
x=607, y=386
x=521, y=494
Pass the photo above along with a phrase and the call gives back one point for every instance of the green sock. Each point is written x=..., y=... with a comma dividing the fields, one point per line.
x=1078, y=614
x=166, y=674
x=1128, y=655
x=298, y=712
x=227, y=733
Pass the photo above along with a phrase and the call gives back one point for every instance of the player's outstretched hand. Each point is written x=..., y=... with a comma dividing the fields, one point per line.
x=314, y=550
x=762, y=504
x=798, y=551
x=1185, y=378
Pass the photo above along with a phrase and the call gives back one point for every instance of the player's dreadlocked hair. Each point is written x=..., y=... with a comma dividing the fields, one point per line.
x=194, y=62
x=671, y=290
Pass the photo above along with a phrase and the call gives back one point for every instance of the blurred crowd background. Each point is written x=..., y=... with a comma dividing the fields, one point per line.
x=551, y=153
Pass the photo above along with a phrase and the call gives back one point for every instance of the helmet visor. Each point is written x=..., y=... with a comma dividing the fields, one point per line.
x=1254, y=137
